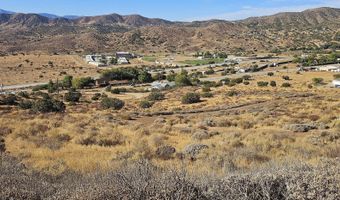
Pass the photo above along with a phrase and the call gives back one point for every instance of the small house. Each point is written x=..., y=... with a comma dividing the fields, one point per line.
x=161, y=85
x=336, y=83
x=126, y=55
x=123, y=61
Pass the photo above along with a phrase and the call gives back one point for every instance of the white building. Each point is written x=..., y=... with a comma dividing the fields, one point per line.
x=329, y=68
x=122, y=61
x=336, y=83
x=96, y=60
x=161, y=85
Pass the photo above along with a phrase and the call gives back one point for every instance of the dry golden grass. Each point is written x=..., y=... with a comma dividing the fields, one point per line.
x=86, y=138
x=32, y=68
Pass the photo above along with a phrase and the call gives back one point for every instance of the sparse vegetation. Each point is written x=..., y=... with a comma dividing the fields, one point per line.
x=112, y=103
x=191, y=98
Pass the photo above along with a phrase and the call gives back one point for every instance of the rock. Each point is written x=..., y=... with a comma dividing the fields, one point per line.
x=209, y=123
x=203, y=135
x=300, y=127
x=194, y=149
x=165, y=152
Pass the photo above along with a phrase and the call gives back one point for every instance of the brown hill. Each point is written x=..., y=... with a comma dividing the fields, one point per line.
x=32, y=32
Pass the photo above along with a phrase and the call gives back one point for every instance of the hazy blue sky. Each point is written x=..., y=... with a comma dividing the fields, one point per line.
x=185, y=10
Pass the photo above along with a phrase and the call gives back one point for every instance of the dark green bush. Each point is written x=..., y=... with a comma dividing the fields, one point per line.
x=273, y=83
x=72, y=96
x=9, y=100
x=262, y=84
x=112, y=103
x=156, y=96
x=287, y=78
x=191, y=98
x=40, y=87
x=232, y=93
x=270, y=73
x=286, y=85
x=182, y=80
x=25, y=105
x=96, y=96
x=146, y=104
x=246, y=82
x=207, y=95
x=48, y=105
x=115, y=91
x=23, y=94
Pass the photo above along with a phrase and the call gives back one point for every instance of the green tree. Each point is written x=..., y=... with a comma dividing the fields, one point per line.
x=67, y=81
x=182, y=80
x=145, y=77
x=191, y=98
x=112, y=103
x=80, y=83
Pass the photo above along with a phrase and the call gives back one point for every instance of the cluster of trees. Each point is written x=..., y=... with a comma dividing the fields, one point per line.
x=67, y=83
x=314, y=59
x=128, y=73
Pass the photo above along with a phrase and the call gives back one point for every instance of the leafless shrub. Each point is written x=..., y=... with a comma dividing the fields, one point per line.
x=142, y=180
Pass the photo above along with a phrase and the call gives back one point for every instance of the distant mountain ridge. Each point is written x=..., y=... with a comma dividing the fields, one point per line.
x=293, y=30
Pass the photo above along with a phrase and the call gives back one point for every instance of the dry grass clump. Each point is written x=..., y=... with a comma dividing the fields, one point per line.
x=143, y=180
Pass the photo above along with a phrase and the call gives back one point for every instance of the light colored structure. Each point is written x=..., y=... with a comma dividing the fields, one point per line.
x=122, y=61
x=336, y=83
x=161, y=85
x=96, y=60
x=126, y=55
x=329, y=68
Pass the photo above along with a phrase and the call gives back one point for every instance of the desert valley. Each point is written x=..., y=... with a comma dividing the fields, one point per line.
x=129, y=107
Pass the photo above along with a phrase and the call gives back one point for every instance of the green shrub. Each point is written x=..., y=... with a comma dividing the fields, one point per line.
x=80, y=83
x=336, y=76
x=9, y=100
x=286, y=85
x=112, y=103
x=287, y=78
x=48, y=105
x=145, y=77
x=115, y=91
x=232, y=93
x=24, y=94
x=40, y=87
x=262, y=84
x=96, y=96
x=156, y=96
x=237, y=80
x=273, y=83
x=146, y=104
x=191, y=98
x=207, y=95
x=246, y=82
x=25, y=105
x=270, y=74
x=182, y=80
x=67, y=81
x=72, y=96
x=318, y=81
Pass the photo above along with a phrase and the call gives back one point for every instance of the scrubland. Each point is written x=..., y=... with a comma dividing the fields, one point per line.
x=243, y=142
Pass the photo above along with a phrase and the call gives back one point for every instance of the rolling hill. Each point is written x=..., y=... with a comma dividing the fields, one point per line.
x=35, y=32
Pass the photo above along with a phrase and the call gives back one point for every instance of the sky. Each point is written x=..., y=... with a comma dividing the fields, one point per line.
x=175, y=10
